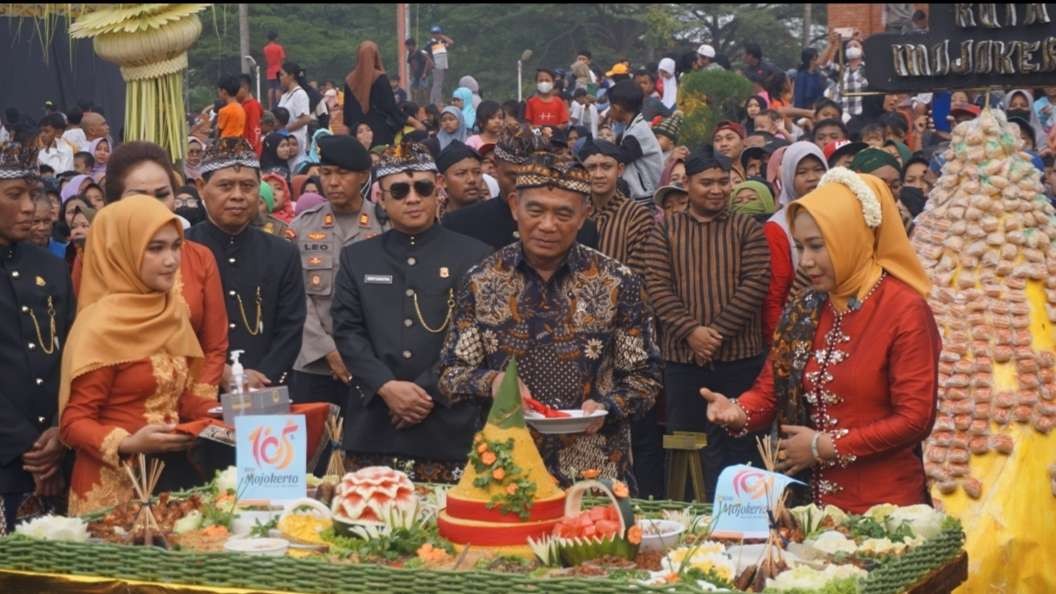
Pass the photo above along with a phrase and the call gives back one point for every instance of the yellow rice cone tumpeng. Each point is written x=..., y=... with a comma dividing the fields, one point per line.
x=473, y=514
x=986, y=240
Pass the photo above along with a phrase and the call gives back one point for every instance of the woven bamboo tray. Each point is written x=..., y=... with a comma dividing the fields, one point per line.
x=913, y=571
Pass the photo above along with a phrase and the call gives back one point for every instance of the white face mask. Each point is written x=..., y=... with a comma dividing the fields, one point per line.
x=854, y=52
x=545, y=87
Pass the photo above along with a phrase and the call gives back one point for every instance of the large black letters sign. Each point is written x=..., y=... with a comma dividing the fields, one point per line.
x=968, y=46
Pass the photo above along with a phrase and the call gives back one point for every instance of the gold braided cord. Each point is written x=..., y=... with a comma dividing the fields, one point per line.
x=257, y=328
x=447, y=320
x=54, y=342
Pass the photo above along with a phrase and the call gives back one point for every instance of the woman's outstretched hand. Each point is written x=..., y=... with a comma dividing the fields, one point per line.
x=723, y=411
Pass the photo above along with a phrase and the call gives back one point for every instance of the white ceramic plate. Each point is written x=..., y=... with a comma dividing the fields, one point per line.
x=246, y=520
x=266, y=547
x=575, y=422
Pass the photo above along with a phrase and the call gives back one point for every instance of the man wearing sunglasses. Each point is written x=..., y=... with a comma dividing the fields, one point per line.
x=394, y=302
x=574, y=318
x=322, y=231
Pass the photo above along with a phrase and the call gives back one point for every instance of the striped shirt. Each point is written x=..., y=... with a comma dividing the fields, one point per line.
x=712, y=274
x=624, y=229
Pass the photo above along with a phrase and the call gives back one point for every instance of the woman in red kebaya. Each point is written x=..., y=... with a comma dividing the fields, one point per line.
x=130, y=361
x=853, y=374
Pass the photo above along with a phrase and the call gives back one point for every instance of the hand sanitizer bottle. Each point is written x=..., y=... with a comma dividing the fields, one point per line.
x=238, y=374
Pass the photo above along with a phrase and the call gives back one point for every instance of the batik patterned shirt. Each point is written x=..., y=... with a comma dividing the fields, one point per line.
x=584, y=334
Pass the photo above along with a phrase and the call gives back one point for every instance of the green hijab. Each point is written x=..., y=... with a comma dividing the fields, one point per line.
x=267, y=195
x=904, y=154
x=871, y=159
x=763, y=203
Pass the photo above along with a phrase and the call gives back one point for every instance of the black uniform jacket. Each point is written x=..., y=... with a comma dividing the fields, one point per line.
x=35, y=291
x=394, y=292
x=254, y=263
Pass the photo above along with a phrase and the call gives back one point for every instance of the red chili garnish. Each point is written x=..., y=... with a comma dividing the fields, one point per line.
x=548, y=412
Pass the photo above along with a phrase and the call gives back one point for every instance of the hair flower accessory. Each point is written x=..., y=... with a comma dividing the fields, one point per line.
x=870, y=203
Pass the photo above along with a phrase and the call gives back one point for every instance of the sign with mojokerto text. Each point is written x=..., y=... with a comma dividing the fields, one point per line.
x=270, y=455
x=743, y=497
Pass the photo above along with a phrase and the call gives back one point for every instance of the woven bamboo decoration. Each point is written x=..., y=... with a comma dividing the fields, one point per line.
x=149, y=42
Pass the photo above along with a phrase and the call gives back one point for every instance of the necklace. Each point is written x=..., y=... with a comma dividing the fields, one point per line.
x=853, y=304
x=54, y=342
x=447, y=320
x=259, y=326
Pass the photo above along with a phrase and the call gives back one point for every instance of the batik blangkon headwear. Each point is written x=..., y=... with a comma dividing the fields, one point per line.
x=547, y=171
x=408, y=156
x=18, y=161
x=228, y=152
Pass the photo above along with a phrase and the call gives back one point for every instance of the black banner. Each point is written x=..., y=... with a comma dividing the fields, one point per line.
x=968, y=46
x=68, y=73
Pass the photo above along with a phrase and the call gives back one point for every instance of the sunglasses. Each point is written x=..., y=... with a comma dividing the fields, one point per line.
x=400, y=190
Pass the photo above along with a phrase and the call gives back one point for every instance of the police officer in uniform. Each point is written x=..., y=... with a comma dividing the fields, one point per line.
x=36, y=312
x=261, y=273
x=321, y=232
x=490, y=220
x=393, y=305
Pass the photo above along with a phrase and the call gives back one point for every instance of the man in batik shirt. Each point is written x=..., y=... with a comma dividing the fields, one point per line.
x=575, y=320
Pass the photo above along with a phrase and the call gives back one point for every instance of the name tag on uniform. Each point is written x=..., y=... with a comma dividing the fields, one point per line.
x=377, y=279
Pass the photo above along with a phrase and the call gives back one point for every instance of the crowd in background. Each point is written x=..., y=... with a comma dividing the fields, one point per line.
x=717, y=290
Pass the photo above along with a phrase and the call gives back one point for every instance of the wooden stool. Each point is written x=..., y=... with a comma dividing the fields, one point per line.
x=683, y=460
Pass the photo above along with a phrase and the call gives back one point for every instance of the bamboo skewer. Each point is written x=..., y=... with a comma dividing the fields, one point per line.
x=768, y=452
x=335, y=426
x=144, y=484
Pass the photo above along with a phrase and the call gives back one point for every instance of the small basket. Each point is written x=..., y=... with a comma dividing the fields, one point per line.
x=574, y=551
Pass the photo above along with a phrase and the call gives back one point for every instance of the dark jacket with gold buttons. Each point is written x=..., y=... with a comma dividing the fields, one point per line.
x=394, y=299
x=36, y=312
x=254, y=263
x=320, y=238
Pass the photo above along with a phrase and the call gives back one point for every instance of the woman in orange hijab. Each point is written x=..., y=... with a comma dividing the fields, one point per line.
x=853, y=374
x=128, y=366
x=369, y=98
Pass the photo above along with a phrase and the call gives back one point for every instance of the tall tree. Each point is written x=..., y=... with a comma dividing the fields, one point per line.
x=489, y=38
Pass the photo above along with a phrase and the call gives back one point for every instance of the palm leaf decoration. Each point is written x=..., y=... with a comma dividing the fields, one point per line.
x=149, y=42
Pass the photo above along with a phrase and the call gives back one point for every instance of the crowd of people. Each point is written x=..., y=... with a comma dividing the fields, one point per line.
x=390, y=254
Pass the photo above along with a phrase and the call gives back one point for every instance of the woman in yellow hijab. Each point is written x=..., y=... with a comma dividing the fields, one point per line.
x=126, y=369
x=853, y=375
